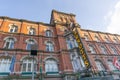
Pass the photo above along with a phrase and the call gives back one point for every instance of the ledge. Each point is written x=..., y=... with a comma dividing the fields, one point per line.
x=4, y=73
x=27, y=73
x=52, y=73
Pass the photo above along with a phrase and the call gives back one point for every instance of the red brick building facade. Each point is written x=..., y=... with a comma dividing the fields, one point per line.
x=58, y=57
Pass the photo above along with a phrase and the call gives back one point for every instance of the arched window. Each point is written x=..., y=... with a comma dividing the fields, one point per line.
x=104, y=50
x=32, y=31
x=49, y=46
x=30, y=42
x=92, y=49
x=5, y=64
x=77, y=63
x=111, y=66
x=48, y=33
x=9, y=43
x=13, y=28
x=27, y=65
x=71, y=42
x=99, y=65
x=114, y=50
x=51, y=65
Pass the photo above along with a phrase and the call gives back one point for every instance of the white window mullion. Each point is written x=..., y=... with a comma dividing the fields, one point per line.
x=27, y=66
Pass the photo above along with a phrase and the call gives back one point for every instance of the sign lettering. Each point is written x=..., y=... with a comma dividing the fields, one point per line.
x=81, y=49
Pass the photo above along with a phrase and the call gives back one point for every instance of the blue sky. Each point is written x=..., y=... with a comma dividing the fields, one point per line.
x=99, y=15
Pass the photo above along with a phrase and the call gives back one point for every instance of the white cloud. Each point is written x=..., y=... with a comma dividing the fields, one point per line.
x=113, y=19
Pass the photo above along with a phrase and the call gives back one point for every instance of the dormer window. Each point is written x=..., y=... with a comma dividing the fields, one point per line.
x=13, y=28
x=86, y=37
x=32, y=31
x=97, y=39
x=115, y=40
x=107, y=40
x=48, y=33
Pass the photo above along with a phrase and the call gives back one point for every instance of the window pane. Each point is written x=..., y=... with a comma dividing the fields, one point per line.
x=51, y=66
x=16, y=29
x=4, y=65
x=100, y=66
x=11, y=46
x=11, y=30
x=7, y=45
x=48, y=33
x=29, y=67
x=32, y=31
x=24, y=67
x=49, y=46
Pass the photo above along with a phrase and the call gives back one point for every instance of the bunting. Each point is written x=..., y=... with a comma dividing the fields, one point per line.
x=12, y=64
x=116, y=63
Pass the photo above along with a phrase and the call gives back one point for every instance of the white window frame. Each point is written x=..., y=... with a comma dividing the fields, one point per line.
x=5, y=64
x=27, y=62
x=49, y=46
x=115, y=40
x=13, y=28
x=111, y=66
x=29, y=43
x=32, y=31
x=107, y=40
x=99, y=65
x=10, y=42
x=104, y=50
x=92, y=49
x=51, y=65
x=48, y=33
x=97, y=38
x=86, y=37
x=114, y=50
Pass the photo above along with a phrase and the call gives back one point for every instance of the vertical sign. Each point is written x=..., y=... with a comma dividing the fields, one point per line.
x=81, y=48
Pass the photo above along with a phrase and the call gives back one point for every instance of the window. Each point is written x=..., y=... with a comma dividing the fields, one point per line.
x=114, y=50
x=111, y=66
x=92, y=49
x=61, y=18
x=9, y=43
x=77, y=63
x=99, y=65
x=107, y=40
x=27, y=65
x=31, y=31
x=97, y=39
x=48, y=33
x=71, y=42
x=5, y=64
x=13, y=28
x=49, y=46
x=104, y=51
x=51, y=65
x=86, y=37
x=29, y=44
x=115, y=40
